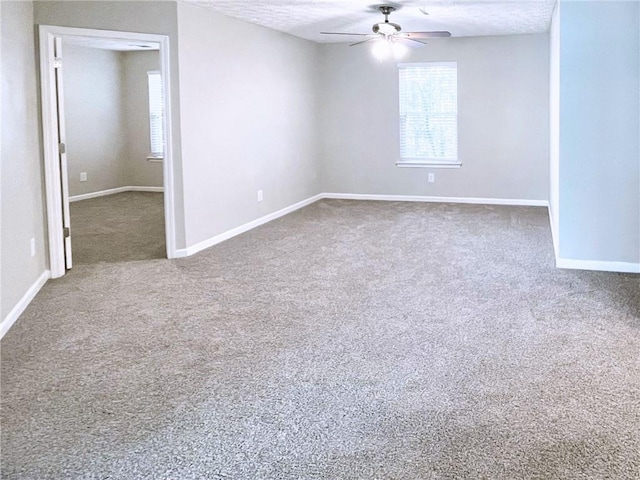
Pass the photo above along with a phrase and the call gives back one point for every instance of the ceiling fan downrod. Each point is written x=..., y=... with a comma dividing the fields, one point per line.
x=386, y=11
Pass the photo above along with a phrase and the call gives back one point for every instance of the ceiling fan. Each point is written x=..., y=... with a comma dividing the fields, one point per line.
x=391, y=31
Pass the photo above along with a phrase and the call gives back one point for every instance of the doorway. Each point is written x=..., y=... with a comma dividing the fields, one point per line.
x=54, y=134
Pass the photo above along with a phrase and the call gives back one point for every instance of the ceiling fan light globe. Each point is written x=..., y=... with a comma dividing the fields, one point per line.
x=382, y=50
x=399, y=50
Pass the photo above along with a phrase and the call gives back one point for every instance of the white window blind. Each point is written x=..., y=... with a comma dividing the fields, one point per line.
x=429, y=114
x=156, y=113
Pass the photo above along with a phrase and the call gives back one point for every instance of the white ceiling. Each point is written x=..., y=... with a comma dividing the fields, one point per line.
x=463, y=18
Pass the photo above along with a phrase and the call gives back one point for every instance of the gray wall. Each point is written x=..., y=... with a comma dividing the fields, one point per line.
x=248, y=118
x=22, y=210
x=599, y=168
x=96, y=133
x=503, y=90
x=136, y=16
x=135, y=66
x=107, y=118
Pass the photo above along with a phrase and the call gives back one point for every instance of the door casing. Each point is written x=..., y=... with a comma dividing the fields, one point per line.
x=52, y=168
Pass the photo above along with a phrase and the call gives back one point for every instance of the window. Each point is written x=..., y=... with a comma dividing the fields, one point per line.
x=428, y=114
x=156, y=114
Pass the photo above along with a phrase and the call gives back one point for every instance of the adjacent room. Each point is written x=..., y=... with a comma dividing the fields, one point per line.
x=114, y=172
x=320, y=240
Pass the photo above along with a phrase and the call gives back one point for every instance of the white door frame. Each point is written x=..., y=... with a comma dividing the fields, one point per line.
x=48, y=34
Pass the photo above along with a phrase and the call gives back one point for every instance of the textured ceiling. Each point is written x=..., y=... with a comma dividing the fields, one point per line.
x=463, y=18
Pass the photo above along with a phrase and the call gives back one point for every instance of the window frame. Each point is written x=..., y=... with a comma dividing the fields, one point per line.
x=155, y=122
x=427, y=161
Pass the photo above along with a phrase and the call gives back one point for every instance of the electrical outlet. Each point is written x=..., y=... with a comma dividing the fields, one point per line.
x=432, y=177
x=259, y=195
x=33, y=247
x=83, y=176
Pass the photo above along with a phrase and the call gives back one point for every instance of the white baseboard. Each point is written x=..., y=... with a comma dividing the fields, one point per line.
x=624, y=267
x=621, y=267
x=134, y=188
x=24, y=302
x=185, y=252
x=112, y=191
x=245, y=228
x=595, y=265
x=417, y=198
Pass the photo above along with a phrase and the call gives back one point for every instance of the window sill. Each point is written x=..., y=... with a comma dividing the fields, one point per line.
x=153, y=159
x=428, y=164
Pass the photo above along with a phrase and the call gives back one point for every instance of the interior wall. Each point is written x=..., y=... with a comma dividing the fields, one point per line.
x=503, y=126
x=554, y=125
x=135, y=66
x=107, y=118
x=22, y=210
x=94, y=117
x=599, y=170
x=131, y=16
x=249, y=120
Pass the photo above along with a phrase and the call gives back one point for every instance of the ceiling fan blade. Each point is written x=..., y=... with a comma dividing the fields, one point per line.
x=364, y=41
x=413, y=41
x=413, y=35
x=343, y=33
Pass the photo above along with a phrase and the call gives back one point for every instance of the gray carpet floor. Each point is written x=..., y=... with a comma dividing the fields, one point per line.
x=117, y=228
x=348, y=340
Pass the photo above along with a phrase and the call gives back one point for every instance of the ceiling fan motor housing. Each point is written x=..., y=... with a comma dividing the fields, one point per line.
x=387, y=28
